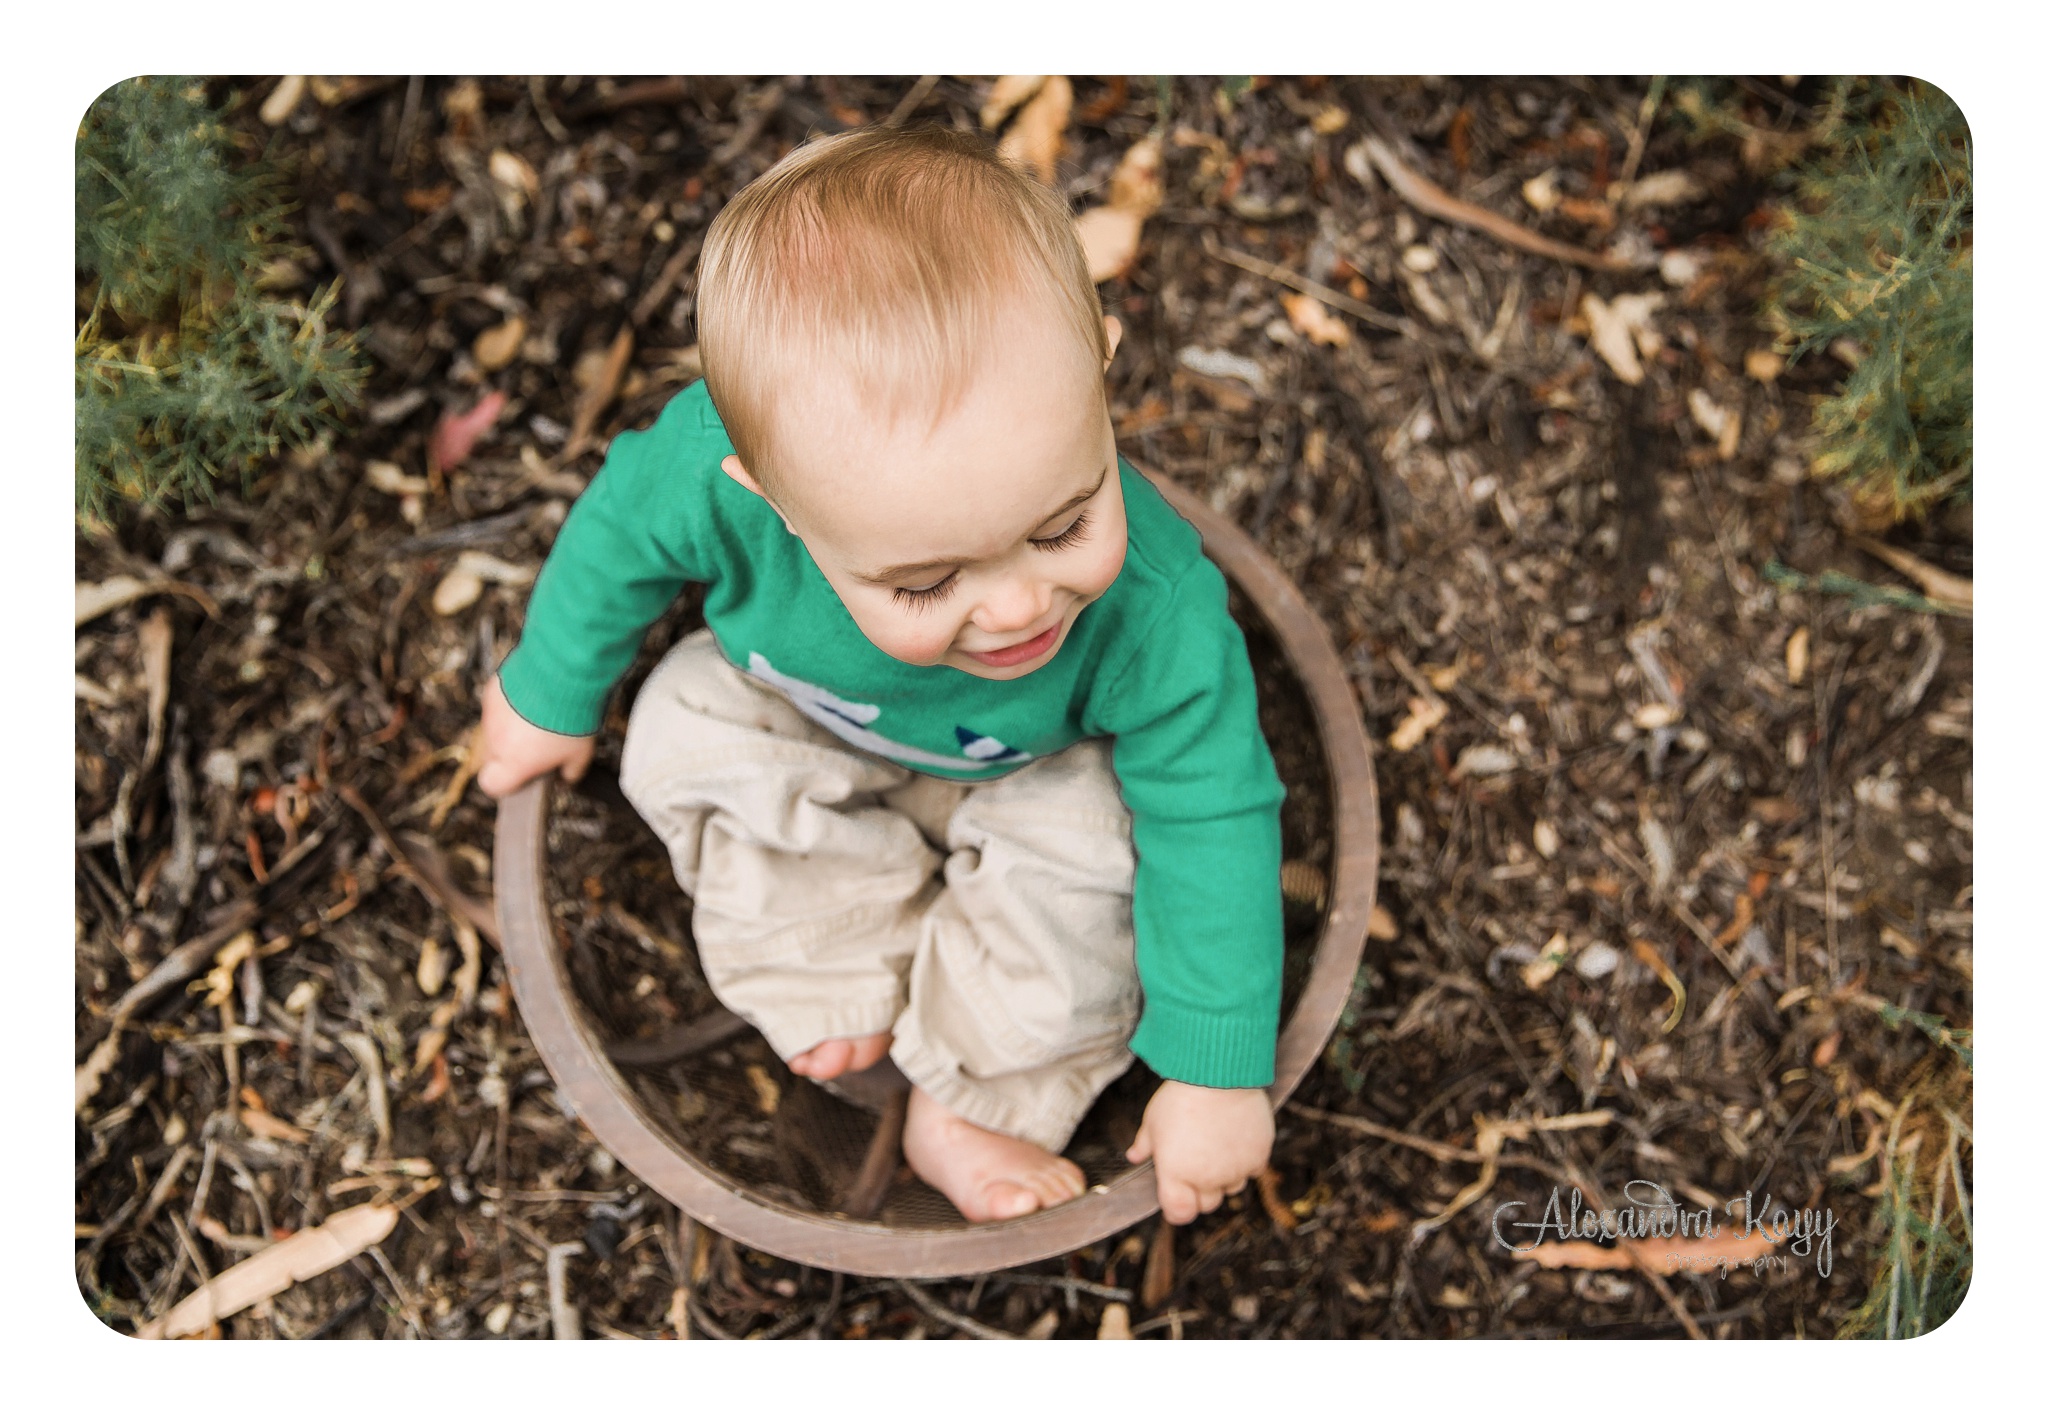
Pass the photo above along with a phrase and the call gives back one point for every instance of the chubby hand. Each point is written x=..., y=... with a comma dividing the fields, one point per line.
x=1203, y=1144
x=513, y=751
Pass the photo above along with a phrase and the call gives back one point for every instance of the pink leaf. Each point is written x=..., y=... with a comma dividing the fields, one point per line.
x=457, y=434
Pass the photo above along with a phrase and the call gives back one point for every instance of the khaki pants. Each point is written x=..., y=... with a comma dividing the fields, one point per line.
x=838, y=894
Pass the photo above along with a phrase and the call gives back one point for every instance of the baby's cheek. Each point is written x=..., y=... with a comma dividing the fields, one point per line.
x=909, y=642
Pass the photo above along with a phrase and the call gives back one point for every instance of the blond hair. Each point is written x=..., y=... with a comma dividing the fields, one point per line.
x=888, y=255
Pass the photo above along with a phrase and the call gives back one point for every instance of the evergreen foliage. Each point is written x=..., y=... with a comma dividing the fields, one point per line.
x=187, y=368
x=1877, y=250
x=1925, y=1257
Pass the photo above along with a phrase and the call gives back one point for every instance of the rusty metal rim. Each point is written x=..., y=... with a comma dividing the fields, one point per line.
x=609, y=1106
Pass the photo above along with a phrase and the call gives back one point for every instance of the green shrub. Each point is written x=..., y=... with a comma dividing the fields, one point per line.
x=188, y=369
x=1876, y=250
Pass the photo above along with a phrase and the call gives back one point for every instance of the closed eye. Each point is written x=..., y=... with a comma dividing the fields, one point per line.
x=1074, y=534
x=928, y=595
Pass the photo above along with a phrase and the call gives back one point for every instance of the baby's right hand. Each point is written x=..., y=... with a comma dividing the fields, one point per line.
x=514, y=751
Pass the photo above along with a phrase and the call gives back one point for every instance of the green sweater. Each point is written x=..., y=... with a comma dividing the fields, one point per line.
x=1156, y=664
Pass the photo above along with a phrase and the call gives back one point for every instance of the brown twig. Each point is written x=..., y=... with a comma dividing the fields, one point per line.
x=1431, y=200
x=911, y=101
x=426, y=870
x=683, y=1039
x=959, y=1322
x=878, y=1167
x=1335, y=299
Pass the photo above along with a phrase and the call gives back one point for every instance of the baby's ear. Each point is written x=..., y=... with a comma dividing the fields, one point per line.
x=1114, y=328
x=737, y=470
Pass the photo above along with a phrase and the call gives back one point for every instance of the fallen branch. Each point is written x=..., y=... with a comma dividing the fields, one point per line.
x=959, y=1322
x=427, y=871
x=1431, y=200
x=1951, y=591
x=305, y=1254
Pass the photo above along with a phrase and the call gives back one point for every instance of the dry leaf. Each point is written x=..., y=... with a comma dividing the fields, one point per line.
x=598, y=394
x=433, y=966
x=1543, y=967
x=1329, y=119
x=767, y=1095
x=1302, y=882
x=1618, y=327
x=458, y=590
x=1109, y=234
x=391, y=479
x=1796, y=655
x=1109, y=239
x=1034, y=139
x=305, y=1254
x=1222, y=364
x=283, y=99
x=1422, y=716
x=1646, y=953
x=1005, y=94
x=514, y=173
x=1116, y=1323
x=1763, y=365
x=1311, y=317
x=1046, y=1324
x=456, y=434
x=1668, y=188
x=499, y=345
x=1662, y=854
x=1724, y=425
x=1485, y=759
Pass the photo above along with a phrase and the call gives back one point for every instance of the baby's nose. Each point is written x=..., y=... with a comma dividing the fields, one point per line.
x=1012, y=605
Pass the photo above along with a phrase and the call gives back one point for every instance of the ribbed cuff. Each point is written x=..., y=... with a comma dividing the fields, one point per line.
x=1205, y=1048
x=548, y=700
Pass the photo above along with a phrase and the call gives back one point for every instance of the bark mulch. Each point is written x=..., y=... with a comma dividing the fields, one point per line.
x=1664, y=837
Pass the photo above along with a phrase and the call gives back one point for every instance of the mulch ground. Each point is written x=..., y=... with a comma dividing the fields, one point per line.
x=1667, y=839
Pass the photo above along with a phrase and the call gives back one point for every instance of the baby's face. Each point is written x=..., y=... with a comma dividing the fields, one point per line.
x=975, y=543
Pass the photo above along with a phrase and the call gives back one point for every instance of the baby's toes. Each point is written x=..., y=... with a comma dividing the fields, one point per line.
x=1008, y=1200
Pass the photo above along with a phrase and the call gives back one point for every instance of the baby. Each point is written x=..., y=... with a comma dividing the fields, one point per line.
x=966, y=770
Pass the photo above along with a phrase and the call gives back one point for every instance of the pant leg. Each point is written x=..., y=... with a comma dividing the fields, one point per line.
x=1024, y=989
x=808, y=888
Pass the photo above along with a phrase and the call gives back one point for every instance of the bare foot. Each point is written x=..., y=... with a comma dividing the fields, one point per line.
x=986, y=1175
x=834, y=1057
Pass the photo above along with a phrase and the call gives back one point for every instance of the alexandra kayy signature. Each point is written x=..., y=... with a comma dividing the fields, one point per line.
x=1651, y=1213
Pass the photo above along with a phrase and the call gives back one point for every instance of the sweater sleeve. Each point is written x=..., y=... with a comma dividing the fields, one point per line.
x=1205, y=810
x=623, y=554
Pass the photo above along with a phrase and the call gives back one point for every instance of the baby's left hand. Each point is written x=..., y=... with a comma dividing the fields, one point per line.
x=1203, y=1144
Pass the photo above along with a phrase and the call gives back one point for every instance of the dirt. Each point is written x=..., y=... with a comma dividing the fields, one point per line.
x=1628, y=773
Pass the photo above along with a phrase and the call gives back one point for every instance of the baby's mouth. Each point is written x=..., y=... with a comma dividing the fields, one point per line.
x=1015, y=654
